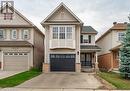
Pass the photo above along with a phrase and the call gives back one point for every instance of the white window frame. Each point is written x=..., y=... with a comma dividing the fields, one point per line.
x=85, y=38
x=26, y=33
x=67, y=34
x=120, y=37
x=55, y=32
x=14, y=34
x=2, y=33
x=62, y=32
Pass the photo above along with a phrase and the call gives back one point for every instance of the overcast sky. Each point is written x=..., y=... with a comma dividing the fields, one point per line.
x=100, y=14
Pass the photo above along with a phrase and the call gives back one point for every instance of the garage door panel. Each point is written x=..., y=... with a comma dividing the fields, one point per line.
x=62, y=62
x=15, y=62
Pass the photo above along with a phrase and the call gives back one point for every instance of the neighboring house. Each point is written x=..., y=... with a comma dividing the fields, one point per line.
x=110, y=42
x=21, y=43
x=63, y=50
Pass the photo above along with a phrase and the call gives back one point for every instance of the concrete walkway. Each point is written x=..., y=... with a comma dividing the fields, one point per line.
x=5, y=74
x=26, y=89
x=63, y=80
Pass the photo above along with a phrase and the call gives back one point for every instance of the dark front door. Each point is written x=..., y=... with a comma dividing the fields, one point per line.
x=62, y=62
x=86, y=60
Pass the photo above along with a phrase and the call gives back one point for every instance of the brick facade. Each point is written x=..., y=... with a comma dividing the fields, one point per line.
x=105, y=61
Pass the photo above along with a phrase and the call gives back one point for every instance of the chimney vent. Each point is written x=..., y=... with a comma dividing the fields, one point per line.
x=114, y=23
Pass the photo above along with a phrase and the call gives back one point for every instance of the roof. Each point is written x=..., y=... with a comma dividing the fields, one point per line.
x=88, y=29
x=57, y=8
x=117, y=26
x=15, y=44
x=23, y=17
x=90, y=47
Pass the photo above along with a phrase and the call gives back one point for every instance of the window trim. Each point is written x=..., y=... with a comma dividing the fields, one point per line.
x=12, y=34
x=55, y=33
x=89, y=38
x=3, y=34
x=120, y=37
x=23, y=34
x=59, y=26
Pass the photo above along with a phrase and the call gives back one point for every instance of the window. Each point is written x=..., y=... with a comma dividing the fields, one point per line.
x=69, y=33
x=85, y=38
x=62, y=33
x=26, y=34
x=14, y=34
x=121, y=36
x=1, y=33
x=8, y=16
x=55, y=32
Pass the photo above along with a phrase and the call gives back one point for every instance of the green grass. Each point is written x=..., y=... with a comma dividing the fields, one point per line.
x=19, y=78
x=116, y=80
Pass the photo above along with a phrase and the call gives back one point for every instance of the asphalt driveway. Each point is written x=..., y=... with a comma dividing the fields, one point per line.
x=63, y=80
x=4, y=74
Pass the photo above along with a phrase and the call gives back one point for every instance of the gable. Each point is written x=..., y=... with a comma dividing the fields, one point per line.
x=18, y=20
x=62, y=15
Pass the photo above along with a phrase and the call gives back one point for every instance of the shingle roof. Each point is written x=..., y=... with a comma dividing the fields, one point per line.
x=119, y=26
x=15, y=44
x=90, y=47
x=88, y=29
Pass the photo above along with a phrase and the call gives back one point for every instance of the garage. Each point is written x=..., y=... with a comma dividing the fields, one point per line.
x=14, y=61
x=62, y=62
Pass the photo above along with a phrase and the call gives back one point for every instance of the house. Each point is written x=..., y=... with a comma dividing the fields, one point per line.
x=110, y=42
x=21, y=42
x=69, y=46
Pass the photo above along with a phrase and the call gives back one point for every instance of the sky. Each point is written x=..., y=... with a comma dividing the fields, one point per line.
x=100, y=14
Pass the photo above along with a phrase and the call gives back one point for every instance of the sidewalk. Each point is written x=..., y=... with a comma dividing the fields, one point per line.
x=28, y=89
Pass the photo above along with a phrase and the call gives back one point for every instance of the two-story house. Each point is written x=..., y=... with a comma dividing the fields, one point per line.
x=64, y=32
x=110, y=42
x=21, y=42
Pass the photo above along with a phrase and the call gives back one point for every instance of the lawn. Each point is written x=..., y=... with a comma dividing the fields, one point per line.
x=116, y=80
x=19, y=78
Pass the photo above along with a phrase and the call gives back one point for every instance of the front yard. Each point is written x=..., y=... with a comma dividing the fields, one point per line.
x=115, y=79
x=18, y=78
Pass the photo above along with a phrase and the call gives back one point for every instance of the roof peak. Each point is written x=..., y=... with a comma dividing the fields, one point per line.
x=58, y=7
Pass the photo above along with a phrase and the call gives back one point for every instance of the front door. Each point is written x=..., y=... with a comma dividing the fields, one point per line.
x=86, y=60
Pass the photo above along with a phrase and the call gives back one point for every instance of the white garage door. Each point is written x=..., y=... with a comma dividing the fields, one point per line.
x=14, y=61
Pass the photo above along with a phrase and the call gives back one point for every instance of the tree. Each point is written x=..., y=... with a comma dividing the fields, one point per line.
x=125, y=54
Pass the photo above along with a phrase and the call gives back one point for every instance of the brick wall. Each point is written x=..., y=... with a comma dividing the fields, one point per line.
x=104, y=62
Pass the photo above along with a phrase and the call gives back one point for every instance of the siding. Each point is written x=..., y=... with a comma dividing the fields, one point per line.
x=105, y=43
x=17, y=20
x=19, y=34
x=38, y=49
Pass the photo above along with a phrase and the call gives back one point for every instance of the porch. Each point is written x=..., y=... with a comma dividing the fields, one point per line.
x=88, y=58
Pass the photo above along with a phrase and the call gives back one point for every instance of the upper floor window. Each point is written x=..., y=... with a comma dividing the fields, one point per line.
x=55, y=32
x=2, y=33
x=8, y=16
x=85, y=38
x=26, y=34
x=121, y=36
x=14, y=34
x=62, y=32
x=69, y=33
